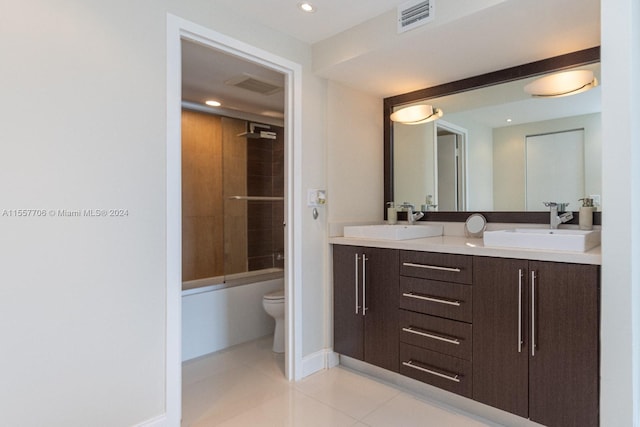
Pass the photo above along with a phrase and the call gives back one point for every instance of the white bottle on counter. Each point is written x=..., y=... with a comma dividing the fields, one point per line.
x=586, y=214
x=392, y=213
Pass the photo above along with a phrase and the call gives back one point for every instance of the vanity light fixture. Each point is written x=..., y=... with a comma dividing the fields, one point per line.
x=213, y=103
x=307, y=7
x=416, y=114
x=562, y=84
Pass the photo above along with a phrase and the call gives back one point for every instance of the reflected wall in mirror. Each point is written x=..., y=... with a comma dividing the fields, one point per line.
x=496, y=148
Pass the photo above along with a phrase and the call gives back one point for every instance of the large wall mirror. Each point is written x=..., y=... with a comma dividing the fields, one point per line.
x=496, y=148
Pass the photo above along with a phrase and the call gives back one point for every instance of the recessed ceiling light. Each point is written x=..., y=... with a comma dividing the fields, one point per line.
x=213, y=103
x=307, y=7
x=509, y=120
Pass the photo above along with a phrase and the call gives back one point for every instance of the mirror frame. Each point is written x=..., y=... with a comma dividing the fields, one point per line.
x=532, y=69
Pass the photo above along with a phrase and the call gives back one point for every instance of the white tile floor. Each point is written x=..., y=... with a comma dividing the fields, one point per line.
x=245, y=386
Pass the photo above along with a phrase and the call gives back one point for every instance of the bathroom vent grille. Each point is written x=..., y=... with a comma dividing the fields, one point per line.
x=254, y=84
x=414, y=14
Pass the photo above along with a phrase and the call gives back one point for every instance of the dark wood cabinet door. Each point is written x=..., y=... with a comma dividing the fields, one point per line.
x=381, y=335
x=500, y=356
x=348, y=322
x=564, y=368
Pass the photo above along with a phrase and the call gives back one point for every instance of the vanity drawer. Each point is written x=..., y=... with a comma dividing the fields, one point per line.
x=446, y=372
x=437, y=334
x=435, y=266
x=450, y=300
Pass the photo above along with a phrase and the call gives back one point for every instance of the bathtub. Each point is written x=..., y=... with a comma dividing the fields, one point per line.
x=218, y=312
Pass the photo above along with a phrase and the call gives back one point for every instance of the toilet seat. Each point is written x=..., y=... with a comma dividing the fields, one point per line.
x=275, y=296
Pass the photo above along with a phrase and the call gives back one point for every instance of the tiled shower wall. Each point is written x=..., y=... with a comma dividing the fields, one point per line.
x=222, y=235
x=265, y=177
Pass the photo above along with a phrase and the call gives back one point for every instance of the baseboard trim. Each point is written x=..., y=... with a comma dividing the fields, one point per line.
x=318, y=361
x=159, y=421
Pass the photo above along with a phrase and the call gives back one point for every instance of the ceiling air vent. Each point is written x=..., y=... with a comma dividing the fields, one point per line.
x=254, y=84
x=414, y=14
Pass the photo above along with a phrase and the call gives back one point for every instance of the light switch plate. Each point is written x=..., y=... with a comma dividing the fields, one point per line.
x=316, y=198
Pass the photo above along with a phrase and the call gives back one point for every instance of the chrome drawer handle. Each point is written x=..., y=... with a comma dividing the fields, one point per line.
x=412, y=330
x=432, y=267
x=533, y=313
x=364, y=284
x=520, y=310
x=438, y=300
x=356, y=282
x=410, y=364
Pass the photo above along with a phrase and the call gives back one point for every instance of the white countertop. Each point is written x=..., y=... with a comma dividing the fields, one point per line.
x=473, y=246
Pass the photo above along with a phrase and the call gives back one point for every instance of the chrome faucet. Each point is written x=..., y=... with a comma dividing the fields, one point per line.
x=411, y=216
x=557, y=214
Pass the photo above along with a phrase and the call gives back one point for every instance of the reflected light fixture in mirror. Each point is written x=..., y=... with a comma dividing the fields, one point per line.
x=562, y=84
x=435, y=95
x=416, y=114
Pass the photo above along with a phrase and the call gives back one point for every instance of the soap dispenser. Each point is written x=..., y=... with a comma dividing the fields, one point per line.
x=392, y=213
x=586, y=214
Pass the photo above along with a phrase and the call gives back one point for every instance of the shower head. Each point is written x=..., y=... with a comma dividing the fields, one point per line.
x=259, y=135
x=252, y=133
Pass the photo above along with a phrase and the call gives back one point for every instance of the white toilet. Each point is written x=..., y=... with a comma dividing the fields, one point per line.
x=273, y=304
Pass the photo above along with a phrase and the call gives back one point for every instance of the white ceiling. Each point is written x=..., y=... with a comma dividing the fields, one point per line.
x=206, y=72
x=355, y=43
x=331, y=16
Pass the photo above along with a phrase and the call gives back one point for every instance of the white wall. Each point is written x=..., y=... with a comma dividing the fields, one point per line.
x=314, y=176
x=355, y=155
x=479, y=168
x=509, y=158
x=414, y=171
x=83, y=125
x=620, y=359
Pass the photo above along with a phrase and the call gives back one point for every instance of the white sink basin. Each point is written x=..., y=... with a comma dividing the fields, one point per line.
x=544, y=238
x=392, y=232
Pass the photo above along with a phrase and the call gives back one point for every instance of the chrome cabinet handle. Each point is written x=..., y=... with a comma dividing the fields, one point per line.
x=520, y=310
x=356, y=283
x=431, y=267
x=438, y=300
x=411, y=365
x=364, y=284
x=533, y=313
x=416, y=331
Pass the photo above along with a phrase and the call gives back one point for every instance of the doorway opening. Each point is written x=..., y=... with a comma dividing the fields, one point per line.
x=451, y=190
x=232, y=180
x=179, y=30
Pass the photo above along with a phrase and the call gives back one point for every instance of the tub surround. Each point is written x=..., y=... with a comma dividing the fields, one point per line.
x=215, y=319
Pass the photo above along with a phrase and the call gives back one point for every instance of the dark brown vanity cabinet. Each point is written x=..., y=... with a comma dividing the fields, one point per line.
x=435, y=319
x=536, y=339
x=518, y=335
x=365, y=304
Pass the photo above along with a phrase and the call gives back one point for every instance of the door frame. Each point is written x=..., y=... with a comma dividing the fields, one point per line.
x=177, y=30
x=463, y=135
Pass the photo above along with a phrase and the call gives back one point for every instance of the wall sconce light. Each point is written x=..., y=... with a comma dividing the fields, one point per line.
x=562, y=84
x=416, y=114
